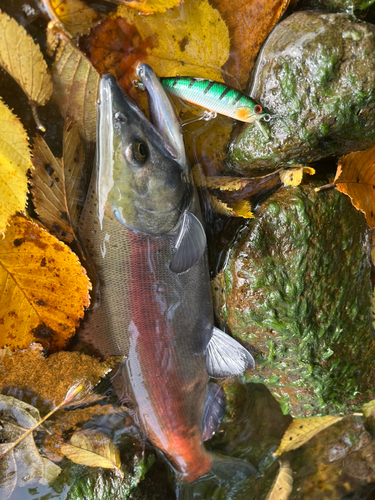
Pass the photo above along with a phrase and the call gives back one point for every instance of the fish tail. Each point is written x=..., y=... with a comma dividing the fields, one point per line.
x=225, y=472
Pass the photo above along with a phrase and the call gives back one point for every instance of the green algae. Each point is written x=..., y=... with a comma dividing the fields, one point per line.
x=316, y=76
x=298, y=289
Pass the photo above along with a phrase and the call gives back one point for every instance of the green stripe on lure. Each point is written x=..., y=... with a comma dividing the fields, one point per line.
x=216, y=97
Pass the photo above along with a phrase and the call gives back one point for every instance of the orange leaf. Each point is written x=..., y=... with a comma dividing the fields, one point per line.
x=43, y=287
x=115, y=46
x=249, y=24
x=355, y=177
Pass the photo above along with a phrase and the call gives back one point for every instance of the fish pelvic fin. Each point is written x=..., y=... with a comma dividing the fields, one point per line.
x=225, y=357
x=213, y=410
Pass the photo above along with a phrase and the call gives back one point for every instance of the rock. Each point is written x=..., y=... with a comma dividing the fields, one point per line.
x=334, y=5
x=297, y=288
x=316, y=76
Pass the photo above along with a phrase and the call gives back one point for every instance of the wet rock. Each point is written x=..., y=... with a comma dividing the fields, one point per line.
x=297, y=288
x=316, y=75
x=335, y=5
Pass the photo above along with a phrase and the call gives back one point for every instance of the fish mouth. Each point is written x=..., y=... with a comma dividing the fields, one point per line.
x=114, y=102
x=162, y=113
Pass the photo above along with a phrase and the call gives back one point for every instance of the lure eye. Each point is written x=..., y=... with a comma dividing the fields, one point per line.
x=257, y=109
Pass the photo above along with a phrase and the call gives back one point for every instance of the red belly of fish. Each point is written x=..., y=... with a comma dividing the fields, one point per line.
x=163, y=395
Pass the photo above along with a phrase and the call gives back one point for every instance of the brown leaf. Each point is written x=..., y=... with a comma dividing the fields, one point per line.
x=249, y=23
x=47, y=380
x=74, y=16
x=44, y=289
x=302, y=430
x=283, y=485
x=75, y=85
x=22, y=465
x=55, y=184
x=22, y=58
x=218, y=295
x=93, y=449
x=355, y=177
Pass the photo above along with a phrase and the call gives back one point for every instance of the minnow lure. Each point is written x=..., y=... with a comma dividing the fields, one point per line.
x=216, y=97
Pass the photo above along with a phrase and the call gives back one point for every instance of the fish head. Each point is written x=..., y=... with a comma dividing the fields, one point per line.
x=140, y=178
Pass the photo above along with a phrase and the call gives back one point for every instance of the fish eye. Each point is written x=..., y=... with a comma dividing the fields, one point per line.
x=140, y=152
x=120, y=116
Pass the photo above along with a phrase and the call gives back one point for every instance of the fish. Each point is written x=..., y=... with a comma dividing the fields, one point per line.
x=217, y=97
x=143, y=231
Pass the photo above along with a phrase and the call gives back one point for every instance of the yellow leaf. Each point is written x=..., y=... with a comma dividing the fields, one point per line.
x=293, y=176
x=43, y=287
x=369, y=409
x=21, y=57
x=14, y=163
x=302, y=430
x=226, y=183
x=240, y=208
x=55, y=183
x=192, y=39
x=47, y=380
x=283, y=485
x=93, y=449
x=355, y=177
x=151, y=6
x=74, y=15
x=76, y=86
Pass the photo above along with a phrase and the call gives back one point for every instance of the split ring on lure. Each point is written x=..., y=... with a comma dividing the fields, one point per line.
x=217, y=97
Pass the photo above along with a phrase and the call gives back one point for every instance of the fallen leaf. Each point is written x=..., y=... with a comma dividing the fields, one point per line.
x=22, y=465
x=355, y=177
x=55, y=183
x=29, y=374
x=249, y=23
x=151, y=6
x=369, y=409
x=74, y=16
x=43, y=287
x=293, y=176
x=22, y=58
x=15, y=160
x=302, y=430
x=240, y=208
x=283, y=485
x=189, y=40
x=75, y=84
x=93, y=449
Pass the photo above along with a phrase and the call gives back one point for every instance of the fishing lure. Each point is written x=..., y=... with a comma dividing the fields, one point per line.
x=217, y=97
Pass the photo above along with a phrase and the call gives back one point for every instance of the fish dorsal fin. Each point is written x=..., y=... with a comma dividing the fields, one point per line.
x=213, y=410
x=225, y=357
x=190, y=244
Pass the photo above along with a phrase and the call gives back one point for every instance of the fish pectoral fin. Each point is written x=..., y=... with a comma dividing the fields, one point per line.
x=225, y=357
x=190, y=244
x=213, y=410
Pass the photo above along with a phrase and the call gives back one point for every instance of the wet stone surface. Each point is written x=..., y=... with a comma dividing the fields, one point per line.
x=297, y=288
x=316, y=76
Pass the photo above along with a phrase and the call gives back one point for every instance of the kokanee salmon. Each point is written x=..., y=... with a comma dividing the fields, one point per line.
x=142, y=229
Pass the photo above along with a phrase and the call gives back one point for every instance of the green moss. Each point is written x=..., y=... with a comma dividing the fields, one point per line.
x=301, y=293
x=316, y=75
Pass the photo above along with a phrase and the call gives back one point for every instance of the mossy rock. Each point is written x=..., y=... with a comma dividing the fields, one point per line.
x=316, y=75
x=335, y=5
x=297, y=288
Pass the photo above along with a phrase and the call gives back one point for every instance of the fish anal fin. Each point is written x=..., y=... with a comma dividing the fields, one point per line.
x=213, y=410
x=225, y=357
x=190, y=244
